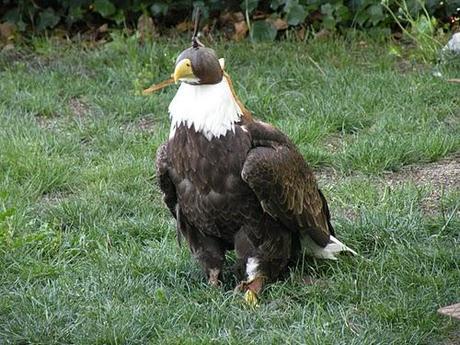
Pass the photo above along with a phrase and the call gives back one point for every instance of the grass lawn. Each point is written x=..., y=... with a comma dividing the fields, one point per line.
x=87, y=248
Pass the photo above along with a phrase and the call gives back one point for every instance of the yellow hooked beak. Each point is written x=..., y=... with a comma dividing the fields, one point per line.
x=183, y=70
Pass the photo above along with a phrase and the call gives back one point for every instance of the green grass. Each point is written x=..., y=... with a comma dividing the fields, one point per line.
x=87, y=248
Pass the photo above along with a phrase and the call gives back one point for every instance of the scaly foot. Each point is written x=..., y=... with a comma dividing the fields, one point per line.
x=213, y=277
x=252, y=289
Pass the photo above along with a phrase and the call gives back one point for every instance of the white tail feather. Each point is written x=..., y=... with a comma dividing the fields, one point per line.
x=328, y=252
x=343, y=247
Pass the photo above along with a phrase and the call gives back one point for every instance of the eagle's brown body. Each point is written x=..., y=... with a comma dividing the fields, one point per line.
x=249, y=190
x=233, y=182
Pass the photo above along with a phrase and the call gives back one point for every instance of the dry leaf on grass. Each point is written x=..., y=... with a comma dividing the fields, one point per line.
x=280, y=24
x=103, y=28
x=184, y=26
x=241, y=29
x=7, y=31
x=146, y=28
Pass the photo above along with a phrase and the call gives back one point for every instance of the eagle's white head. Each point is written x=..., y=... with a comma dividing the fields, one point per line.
x=204, y=98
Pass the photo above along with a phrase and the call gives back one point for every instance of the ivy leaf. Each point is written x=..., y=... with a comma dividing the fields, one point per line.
x=13, y=15
x=328, y=19
x=263, y=31
x=329, y=22
x=342, y=13
x=424, y=25
x=361, y=18
x=204, y=10
x=47, y=19
x=159, y=9
x=375, y=14
x=327, y=9
x=356, y=5
x=104, y=7
x=249, y=5
x=75, y=13
x=118, y=17
x=275, y=4
x=296, y=14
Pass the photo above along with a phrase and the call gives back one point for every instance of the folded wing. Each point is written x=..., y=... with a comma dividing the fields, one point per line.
x=284, y=184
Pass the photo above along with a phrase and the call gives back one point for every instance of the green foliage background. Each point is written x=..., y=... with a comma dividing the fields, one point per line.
x=329, y=14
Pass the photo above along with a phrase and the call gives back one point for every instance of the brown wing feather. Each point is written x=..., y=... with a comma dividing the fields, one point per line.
x=286, y=187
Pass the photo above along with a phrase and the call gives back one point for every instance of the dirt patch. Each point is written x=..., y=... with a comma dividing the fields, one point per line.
x=443, y=176
x=53, y=198
x=328, y=176
x=453, y=336
x=405, y=66
x=10, y=57
x=334, y=143
x=46, y=122
x=78, y=108
x=144, y=124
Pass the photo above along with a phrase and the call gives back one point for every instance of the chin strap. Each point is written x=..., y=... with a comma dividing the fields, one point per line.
x=246, y=113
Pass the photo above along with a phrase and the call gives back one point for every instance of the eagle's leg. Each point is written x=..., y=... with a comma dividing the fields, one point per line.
x=260, y=271
x=252, y=287
x=210, y=254
x=209, y=251
x=267, y=250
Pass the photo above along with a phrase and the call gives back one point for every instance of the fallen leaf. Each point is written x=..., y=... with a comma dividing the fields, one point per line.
x=7, y=31
x=103, y=28
x=280, y=24
x=241, y=29
x=301, y=34
x=238, y=16
x=225, y=17
x=146, y=28
x=8, y=47
x=233, y=25
x=184, y=26
x=323, y=33
x=260, y=15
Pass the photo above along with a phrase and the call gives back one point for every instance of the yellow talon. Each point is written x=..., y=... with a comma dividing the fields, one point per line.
x=251, y=298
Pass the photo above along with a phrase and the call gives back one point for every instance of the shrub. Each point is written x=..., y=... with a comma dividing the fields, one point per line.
x=316, y=14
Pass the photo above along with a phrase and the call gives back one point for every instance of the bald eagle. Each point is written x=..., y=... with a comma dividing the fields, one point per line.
x=236, y=183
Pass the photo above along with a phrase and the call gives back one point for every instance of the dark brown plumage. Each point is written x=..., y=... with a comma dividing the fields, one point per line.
x=249, y=190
